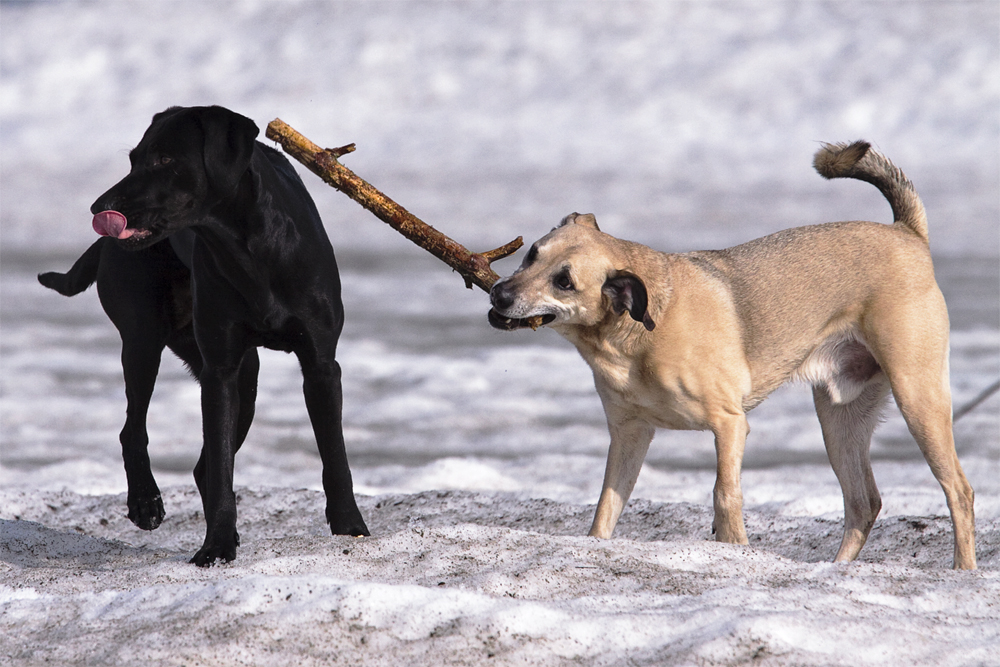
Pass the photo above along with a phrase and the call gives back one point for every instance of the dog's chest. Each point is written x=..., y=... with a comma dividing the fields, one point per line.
x=636, y=386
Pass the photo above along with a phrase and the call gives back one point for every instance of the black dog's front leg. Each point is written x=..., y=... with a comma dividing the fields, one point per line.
x=140, y=364
x=133, y=288
x=249, y=369
x=220, y=413
x=325, y=404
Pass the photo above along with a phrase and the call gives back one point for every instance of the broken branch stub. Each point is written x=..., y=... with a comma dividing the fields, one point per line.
x=473, y=267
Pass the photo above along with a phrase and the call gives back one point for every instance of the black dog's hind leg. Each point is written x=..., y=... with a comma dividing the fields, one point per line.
x=325, y=403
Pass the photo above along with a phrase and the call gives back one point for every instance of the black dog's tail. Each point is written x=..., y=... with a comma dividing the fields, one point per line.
x=859, y=161
x=80, y=277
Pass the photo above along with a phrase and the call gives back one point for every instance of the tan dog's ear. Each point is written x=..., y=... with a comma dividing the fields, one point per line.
x=585, y=219
x=628, y=292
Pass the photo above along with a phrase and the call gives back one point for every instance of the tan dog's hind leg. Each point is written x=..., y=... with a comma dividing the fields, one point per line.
x=916, y=361
x=730, y=438
x=927, y=411
x=847, y=434
x=629, y=444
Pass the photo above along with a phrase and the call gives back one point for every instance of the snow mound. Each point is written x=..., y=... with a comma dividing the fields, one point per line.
x=471, y=578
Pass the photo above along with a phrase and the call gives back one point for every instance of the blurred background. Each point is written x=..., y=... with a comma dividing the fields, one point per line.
x=683, y=125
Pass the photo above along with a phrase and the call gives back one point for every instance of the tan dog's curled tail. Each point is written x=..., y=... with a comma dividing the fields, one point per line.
x=860, y=161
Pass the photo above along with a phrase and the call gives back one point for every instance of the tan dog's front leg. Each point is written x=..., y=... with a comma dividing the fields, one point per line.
x=629, y=444
x=730, y=438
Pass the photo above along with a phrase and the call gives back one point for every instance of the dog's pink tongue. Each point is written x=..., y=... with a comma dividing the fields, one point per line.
x=112, y=223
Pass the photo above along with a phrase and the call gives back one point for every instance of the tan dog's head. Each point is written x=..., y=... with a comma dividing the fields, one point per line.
x=570, y=276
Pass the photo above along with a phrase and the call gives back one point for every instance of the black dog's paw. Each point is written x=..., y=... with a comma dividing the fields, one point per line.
x=146, y=513
x=209, y=553
x=347, y=522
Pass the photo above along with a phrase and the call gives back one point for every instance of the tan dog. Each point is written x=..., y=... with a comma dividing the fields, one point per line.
x=850, y=307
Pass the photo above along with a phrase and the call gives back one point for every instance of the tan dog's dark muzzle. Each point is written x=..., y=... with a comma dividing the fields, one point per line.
x=502, y=298
x=498, y=321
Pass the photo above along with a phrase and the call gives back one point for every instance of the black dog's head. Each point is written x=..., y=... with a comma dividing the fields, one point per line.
x=189, y=160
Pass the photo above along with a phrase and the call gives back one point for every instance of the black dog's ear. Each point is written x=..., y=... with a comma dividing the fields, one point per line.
x=229, y=142
x=585, y=219
x=628, y=292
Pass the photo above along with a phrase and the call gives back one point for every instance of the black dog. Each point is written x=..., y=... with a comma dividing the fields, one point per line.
x=213, y=247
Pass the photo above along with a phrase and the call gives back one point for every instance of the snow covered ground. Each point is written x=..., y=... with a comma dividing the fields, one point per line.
x=478, y=454
x=460, y=578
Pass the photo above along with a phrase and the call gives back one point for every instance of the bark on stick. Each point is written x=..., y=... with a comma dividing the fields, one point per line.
x=473, y=267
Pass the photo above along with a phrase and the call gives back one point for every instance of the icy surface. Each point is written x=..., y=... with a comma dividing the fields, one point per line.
x=481, y=578
x=477, y=454
x=680, y=124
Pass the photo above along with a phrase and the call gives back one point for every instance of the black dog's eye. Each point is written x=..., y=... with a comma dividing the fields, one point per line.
x=563, y=281
x=163, y=160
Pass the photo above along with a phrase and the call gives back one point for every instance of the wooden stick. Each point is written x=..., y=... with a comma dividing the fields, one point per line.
x=968, y=407
x=473, y=267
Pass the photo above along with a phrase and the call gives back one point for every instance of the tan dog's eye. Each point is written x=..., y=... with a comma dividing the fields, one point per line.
x=563, y=281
